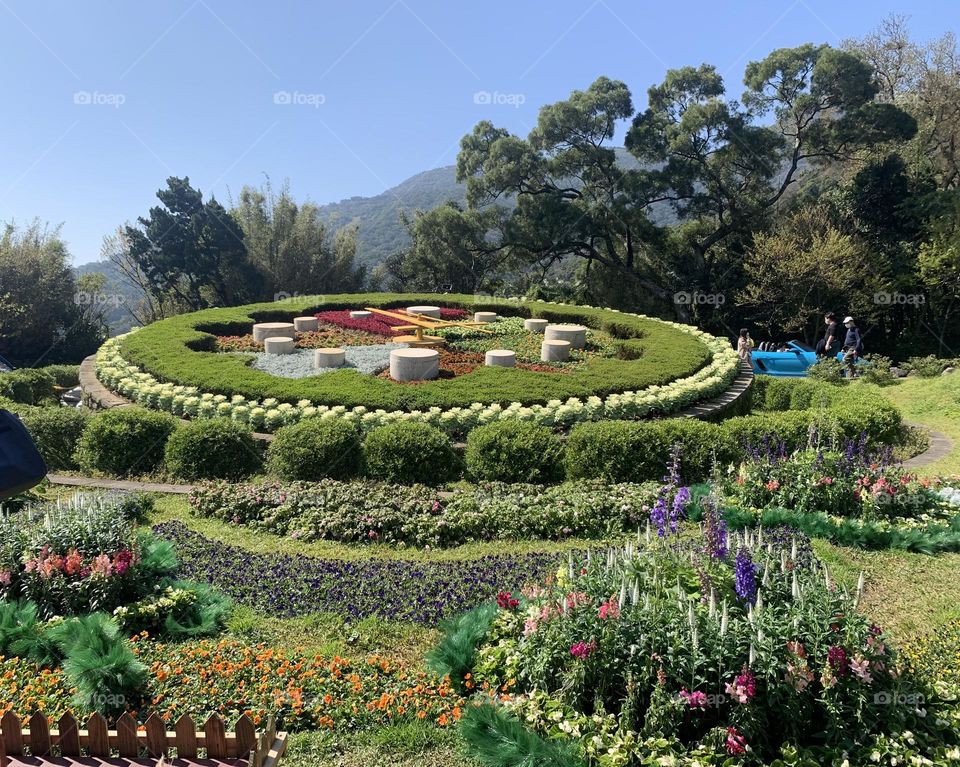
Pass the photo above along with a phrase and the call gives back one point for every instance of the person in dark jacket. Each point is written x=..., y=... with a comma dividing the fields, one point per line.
x=852, y=345
x=829, y=345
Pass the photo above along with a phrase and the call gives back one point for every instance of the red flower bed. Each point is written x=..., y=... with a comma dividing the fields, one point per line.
x=378, y=323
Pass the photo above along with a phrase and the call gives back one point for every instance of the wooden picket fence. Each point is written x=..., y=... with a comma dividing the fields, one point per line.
x=241, y=746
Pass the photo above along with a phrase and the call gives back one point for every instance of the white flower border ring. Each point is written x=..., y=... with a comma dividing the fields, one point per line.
x=141, y=387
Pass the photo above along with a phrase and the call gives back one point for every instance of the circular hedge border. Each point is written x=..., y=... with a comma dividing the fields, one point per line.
x=170, y=365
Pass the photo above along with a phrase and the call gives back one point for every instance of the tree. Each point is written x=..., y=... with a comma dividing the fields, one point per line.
x=923, y=80
x=45, y=316
x=292, y=248
x=720, y=165
x=939, y=265
x=805, y=267
x=190, y=250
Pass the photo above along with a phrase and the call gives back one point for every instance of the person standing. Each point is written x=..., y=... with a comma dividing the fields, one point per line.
x=745, y=347
x=852, y=345
x=829, y=345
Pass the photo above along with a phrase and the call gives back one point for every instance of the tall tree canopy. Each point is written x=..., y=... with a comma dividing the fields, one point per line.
x=292, y=248
x=45, y=315
x=721, y=164
x=190, y=249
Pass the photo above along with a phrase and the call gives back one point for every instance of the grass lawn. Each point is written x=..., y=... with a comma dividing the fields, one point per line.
x=935, y=403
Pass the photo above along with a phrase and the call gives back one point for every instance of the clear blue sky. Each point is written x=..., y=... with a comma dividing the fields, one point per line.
x=104, y=100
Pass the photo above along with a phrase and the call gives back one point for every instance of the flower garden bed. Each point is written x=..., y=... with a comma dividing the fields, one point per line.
x=660, y=367
x=375, y=512
x=284, y=585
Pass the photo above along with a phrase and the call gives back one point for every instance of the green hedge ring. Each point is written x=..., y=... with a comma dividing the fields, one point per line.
x=170, y=366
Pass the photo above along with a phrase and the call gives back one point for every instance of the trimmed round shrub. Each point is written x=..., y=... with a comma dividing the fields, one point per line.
x=777, y=393
x=28, y=386
x=124, y=441
x=638, y=451
x=514, y=451
x=316, y=449
x=56, y=431
x=407, y=453
x=214, y=448
x=64, y=376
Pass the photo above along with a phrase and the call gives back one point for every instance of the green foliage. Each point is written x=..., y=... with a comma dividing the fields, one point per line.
x=497, y=739
x=876, y=370
x=636, y=451
x=366, y=511
x=56, y=431
x=214, y=448
x=41, y=318
x=124, y=441
x=99, y=663
x=926, y=367
x=190, y=249
x=514, y=451
x=828, y=370
x=454, y=655
x=409, y=453
x=777, y=393
x=28, y=386
x=17, y=622
x=64, y=376
x=166, y=350
x=292, y=247
x=316, y=449
x=180, y=610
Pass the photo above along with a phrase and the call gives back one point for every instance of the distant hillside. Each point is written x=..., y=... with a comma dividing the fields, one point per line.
x=117, y=295
x=380, y=230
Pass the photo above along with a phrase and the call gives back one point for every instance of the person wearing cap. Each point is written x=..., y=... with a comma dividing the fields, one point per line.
x=852, y=344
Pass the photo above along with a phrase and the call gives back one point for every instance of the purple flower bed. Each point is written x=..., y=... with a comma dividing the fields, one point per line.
x=286, y=586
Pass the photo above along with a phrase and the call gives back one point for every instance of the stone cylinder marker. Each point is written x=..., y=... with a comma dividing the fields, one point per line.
x=555, y=351
x=502, y=358
x=278, y=345
x=575, y=334
x=329, y=358
x=264, y=330
x=414, y=364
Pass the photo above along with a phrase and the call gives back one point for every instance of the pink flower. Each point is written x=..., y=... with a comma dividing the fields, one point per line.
x=609, y=609
x=860, y=666
x=799, y=676
x=772, y=485
x=826, y=480
x=743, y=687
x=581, y=649
x=436, y=506
x=506, y=601
x=5, y=577
x=373, y=535
x=695, y=699
x=101, y=566
x=529, y=626
x=736, y=743
x=122, y=561
x=73, y=564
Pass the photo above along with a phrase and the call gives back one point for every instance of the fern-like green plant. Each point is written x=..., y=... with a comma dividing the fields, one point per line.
x=157, y=557
x=205, y=616
x=497, y=739
x=18, y=622
x=100, y=663
x=455, y=653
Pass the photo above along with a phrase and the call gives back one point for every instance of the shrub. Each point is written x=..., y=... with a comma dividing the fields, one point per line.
x=410, y=452
x=212, y=448
x=124, y=441
x=28, y=386
x=367, y=511
x=514, y=451
x=623, y=451
x=316, y=449
x=877, y=370
x=64, y=376
x=926, y=367
x=56, y=431
x=827, y=369
x=777, y=393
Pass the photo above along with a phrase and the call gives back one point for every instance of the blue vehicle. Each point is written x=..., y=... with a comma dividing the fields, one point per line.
x=789, y=360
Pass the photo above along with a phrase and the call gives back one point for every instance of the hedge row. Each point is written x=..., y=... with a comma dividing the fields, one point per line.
x=130, y=441
x=180, y=350
x=35, y=386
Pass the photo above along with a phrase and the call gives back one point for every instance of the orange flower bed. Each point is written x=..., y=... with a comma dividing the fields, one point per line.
x=232, y=678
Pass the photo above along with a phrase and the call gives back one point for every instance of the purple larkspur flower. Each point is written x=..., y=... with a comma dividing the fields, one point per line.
x=745, y=578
